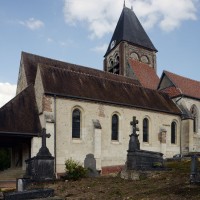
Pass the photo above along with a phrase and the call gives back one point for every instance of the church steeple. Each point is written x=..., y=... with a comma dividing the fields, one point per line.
x=129, y=40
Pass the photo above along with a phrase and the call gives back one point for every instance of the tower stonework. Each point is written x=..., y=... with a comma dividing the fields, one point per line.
x=129, y=41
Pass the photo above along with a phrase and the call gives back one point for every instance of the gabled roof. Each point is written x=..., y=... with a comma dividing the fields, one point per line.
x=182, y=86
x=20, y=115
x=130, y=29
x=31, y=62
x=77, y=85
x=145, y=74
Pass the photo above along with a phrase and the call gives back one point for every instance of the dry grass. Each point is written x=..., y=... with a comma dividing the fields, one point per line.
x=165, y=185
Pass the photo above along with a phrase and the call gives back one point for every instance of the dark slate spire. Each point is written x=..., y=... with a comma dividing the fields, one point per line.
x=130, y=29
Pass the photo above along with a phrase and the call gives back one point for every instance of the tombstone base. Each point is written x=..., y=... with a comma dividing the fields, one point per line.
x=144, y=160
x=29, y=194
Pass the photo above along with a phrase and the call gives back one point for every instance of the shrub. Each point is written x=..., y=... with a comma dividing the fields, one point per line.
x=74, y=170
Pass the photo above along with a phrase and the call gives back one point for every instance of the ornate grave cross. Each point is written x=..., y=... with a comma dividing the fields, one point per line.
x=44, y=135
x=44, y=151
x=134, y=143
x=134, y=125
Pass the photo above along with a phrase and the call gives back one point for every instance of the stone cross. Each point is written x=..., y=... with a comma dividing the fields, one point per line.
x=44, y=135
x=134, y=125
x=134, y=143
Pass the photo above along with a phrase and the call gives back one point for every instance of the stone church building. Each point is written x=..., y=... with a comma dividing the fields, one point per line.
x=88, y=111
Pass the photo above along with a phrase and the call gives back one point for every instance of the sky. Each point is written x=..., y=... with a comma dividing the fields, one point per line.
x=79, y=31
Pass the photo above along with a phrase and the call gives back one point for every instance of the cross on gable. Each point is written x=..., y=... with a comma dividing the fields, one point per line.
x=44, y=135
x=133, y=124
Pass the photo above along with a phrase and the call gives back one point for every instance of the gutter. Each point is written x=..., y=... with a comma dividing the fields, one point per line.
x=27, y=135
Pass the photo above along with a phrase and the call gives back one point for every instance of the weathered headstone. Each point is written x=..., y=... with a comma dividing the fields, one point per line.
x=195, y=171
x=90, y=165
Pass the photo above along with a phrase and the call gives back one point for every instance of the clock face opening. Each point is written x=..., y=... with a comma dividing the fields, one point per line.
x=112, y=44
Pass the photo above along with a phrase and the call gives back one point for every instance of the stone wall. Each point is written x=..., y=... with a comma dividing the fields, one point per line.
x=108, y=152
x=191, y=139
x=141, y=54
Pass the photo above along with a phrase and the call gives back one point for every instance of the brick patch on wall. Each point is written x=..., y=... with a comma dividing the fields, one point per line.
x=111, y=169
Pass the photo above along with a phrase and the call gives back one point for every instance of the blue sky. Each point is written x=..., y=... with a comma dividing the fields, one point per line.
x=79, y=31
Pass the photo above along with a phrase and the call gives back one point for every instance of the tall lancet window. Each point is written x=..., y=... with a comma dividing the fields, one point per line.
x=194, y=113
x=76, y=123
x=145, y=130
x=173, y=132
x=115, y=127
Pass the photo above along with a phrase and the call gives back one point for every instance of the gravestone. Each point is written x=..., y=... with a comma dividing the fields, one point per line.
x=41, y=166
x=29, y=194
x=90, y=165
x=140, y=159
x=195, y=170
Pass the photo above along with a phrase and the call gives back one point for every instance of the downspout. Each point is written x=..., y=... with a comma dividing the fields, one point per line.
x=181, y=122
x=55, y=132
x=181, y=137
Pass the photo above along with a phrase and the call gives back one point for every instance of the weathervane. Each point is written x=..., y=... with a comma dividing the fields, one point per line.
x=124, y=3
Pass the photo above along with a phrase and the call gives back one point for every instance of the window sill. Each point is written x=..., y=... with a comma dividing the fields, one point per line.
x=146, y=143
x=115, y=142
x=77, y=140
x=174, y=144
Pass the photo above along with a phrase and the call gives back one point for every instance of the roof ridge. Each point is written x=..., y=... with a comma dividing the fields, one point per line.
x=165, y=71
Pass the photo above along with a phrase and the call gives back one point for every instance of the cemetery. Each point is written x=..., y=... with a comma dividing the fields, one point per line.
x=172, y=179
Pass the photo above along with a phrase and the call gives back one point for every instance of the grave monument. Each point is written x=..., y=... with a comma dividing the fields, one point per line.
x=41, y=166
x=139, y=160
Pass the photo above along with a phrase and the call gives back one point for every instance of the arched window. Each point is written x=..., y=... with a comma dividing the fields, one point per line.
x=76, y=123
x=115, y=127
x=173, y=133
x=144, y=59
x=145, y=130
x=134, y=56
x=195, y=118
x=116, y=58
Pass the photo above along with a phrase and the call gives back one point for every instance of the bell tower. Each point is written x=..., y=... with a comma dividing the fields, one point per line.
x=129, y=41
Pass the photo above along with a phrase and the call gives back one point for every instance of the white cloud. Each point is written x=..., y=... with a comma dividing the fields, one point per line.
x=7, y=92
x=101, y=16
x=101, y=49
x=167, y=14
x=50, y=40
x=32, y=23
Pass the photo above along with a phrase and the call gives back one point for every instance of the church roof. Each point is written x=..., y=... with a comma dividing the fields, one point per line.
x=87, y=87
x=30, y=62
x=145, y=74
x=181, y=86
x=18, y=116
x=130, y=29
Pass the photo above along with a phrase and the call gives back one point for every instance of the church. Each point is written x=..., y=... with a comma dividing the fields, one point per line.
x=88, y=111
